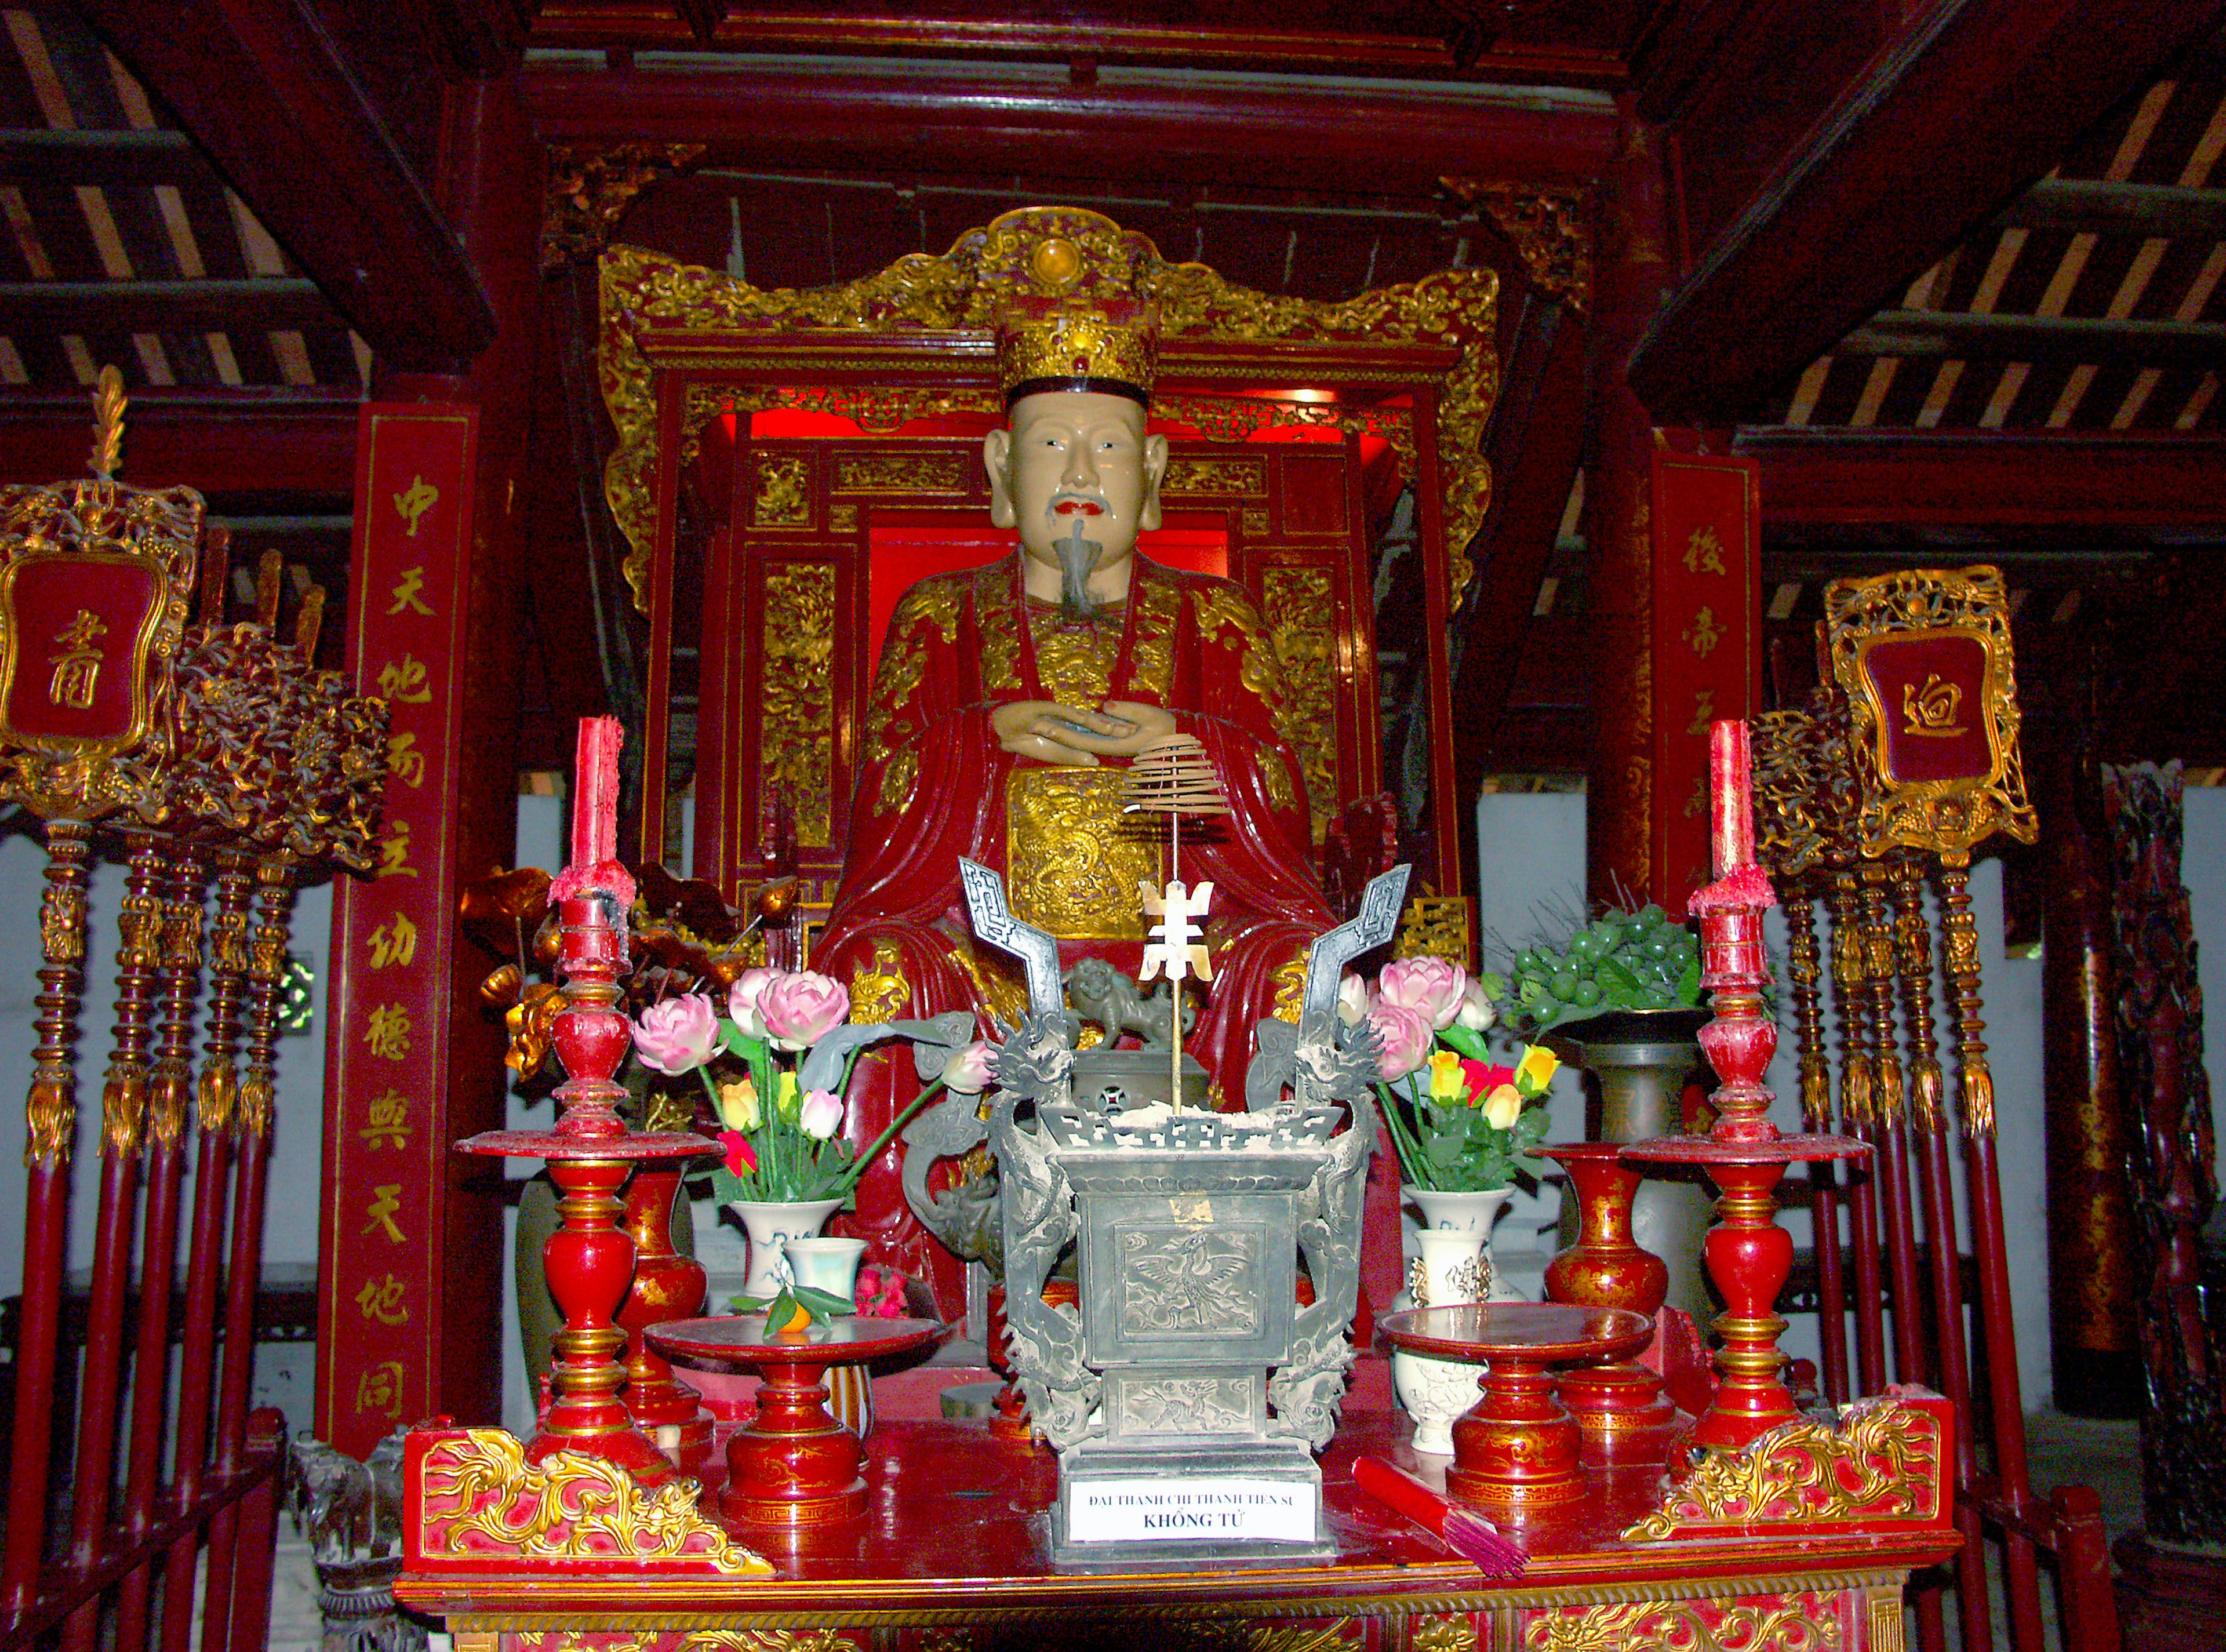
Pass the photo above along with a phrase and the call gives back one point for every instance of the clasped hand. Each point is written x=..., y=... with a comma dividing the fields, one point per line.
x=1075, y=738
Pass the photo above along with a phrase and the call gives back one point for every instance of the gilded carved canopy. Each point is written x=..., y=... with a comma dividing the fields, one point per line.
x=1418, y=363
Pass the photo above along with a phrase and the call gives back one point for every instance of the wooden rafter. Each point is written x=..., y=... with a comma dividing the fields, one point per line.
x=258, y=85
x=1863, y=203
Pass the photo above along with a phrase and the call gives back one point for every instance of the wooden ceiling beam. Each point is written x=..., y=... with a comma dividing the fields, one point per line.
x=1915, y=478
x=258, y=85
x=1866, y=201
x=266, y=305
x=1155, y=128
x=75, y=155
x=293, y=445
x=2063, y=340
x=2100, y=207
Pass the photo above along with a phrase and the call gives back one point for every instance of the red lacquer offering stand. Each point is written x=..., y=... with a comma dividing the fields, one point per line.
x=589, y=1262
x=1748, y=1254
x=1518, y=1448
x=794, y=1465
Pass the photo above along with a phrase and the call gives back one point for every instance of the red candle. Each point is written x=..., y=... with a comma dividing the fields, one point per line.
x=595, y=792
x=1730, y=798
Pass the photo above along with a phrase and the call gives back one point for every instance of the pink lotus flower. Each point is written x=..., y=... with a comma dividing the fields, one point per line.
x=742, y=1000
x=678, y=1035
x=1404, y=1038
x=800, y=1009
x=1430, y=987
x=741, y=1158
x=969, y=1070
x=821, y=1114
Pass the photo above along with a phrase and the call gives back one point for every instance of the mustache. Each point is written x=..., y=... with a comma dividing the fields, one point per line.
x=1094, y=503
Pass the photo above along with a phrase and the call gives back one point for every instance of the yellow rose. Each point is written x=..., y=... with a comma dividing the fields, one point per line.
x=1445, y=1082
x=1503, y=1107
x=1537, y=1069
x=738, y=1105
x=785, y=1100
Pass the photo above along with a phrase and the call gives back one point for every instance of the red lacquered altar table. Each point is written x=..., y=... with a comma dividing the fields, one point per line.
x=1818, y=1529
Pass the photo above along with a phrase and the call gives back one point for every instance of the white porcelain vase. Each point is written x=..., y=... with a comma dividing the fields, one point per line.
x=1452, y=1264
x=771, y=1223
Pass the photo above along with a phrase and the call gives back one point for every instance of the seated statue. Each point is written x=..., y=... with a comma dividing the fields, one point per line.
x=1007, y=704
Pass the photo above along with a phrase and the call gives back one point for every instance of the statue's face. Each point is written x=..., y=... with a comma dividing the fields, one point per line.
x=1076, y=455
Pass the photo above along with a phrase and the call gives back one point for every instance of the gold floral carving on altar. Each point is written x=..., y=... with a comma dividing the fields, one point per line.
x=1297, y=607
x=782, y=499
x=1907, y=647
x=1456, y=1633
x=480, y=1499
x=656, y=311
x=1073, y=859
x=798, y=696
x=899, y=472
x=1883, y=1462
x=1804, y=1622
x=1247, y=477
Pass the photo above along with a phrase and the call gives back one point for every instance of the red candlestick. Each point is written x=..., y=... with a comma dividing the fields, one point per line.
x=596, y=807
x=1730, y=798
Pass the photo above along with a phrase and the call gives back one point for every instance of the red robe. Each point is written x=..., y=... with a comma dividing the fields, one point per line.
x=933, y=785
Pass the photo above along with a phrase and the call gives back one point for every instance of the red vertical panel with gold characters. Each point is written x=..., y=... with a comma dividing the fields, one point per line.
x=380, y=1308
x=1707, y=655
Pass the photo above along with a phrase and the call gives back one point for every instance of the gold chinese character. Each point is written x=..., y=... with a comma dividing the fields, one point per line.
x=1696, y=801
x=388, y=1035
x=382, y=1208
x=1704, y=553
x=1704, y=712
x=381, y=1299
x=403, y=680
x=1704, y=633
x=390, y=1121
x=379, y=1390
x=394, y=853
x=394, y=942
x=1930, y=711
x=77, y=668
x=405, y=761
x=415, y=500
x=406, y=592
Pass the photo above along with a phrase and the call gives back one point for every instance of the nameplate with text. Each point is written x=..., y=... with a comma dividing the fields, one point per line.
x=1221, y=1509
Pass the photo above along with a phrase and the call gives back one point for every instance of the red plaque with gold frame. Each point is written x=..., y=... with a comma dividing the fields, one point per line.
x=1923, y=658
x=94, y=581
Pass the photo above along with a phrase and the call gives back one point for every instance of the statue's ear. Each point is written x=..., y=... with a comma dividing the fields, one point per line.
x=1155, y=466
x=996, y=449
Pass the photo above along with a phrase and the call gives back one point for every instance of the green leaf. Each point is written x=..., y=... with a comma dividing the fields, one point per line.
x=821, y=1302
x=1469, y=1043
x=1689, y=984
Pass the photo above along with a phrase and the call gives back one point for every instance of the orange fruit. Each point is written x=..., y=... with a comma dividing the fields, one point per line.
x=799, y=1320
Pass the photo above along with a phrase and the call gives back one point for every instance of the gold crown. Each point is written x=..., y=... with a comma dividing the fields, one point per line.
x=1063, y=346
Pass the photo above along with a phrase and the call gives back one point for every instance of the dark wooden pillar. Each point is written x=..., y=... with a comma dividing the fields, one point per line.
x=2093, y=1290
x=1633, y=273
x=416, y=1333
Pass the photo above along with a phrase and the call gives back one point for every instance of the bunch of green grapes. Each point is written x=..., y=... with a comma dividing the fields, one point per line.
x=1619, y=961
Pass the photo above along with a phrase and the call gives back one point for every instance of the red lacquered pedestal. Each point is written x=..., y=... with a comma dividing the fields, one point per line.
x=1518, y=1448
x=1623, y=1415
x=794, y=1465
